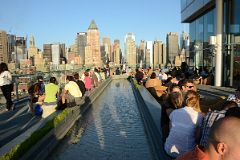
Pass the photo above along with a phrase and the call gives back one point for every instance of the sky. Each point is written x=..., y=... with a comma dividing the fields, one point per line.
x=53, y=21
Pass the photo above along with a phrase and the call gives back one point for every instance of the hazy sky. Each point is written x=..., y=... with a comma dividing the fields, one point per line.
x=51, y=21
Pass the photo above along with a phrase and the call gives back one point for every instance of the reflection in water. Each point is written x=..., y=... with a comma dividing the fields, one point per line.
x=117, y=84
x=112, y=129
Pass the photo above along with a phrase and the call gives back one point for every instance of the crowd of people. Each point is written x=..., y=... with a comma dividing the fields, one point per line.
x=49, y=94
x=188, y=130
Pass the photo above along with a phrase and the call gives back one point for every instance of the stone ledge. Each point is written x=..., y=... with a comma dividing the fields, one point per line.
x=150, y=111
x=49, y=141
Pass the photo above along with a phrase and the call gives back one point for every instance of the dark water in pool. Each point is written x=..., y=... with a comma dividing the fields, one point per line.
x=111, y=130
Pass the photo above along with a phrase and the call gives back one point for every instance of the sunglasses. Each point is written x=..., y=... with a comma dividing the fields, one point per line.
x=190, y=86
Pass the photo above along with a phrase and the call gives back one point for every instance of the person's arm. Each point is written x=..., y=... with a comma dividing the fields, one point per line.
x=198, y=133
x=169, y=111
x=171, y=116
x=9, y=76
x=64, y=96
x=58, y=93
x=64, y=92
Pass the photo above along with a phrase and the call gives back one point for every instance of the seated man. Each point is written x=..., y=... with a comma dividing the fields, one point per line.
x=139, y=75
x=155, y=83
x=71, y=92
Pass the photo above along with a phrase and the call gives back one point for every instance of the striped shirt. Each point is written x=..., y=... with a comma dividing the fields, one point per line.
x=208, y=121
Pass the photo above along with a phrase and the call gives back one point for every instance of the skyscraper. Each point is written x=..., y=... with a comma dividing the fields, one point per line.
x=3, y=47
x=164, y=55
x=141, y=54
x=130, y=50
x=117, y=52
x=32, y=51
x=92, y=50
x=172, y=46
x=47, y=53
x=106, y=52
x=56, y=51
x=21, y=50
x=147, y=51
x=11, y=48
x=81, y=42
x=149, y=48
x=157, y=54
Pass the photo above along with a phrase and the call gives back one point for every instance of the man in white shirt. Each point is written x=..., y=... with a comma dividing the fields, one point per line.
x=71, y=92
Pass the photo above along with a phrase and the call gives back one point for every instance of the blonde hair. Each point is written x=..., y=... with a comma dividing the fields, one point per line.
x=192, y=100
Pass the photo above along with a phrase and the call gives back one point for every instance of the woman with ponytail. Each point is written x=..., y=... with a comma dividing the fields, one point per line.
x=184, y=124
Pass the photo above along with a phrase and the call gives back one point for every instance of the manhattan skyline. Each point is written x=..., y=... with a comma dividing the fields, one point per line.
x=59, y=21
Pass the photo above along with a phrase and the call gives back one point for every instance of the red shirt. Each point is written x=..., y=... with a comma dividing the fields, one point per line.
x=196, y=154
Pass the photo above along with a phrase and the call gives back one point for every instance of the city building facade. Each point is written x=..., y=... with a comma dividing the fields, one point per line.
x=21, y=50
x=130, y=50
x=117, y=53
x=172, y=47
x=56, y=51
x=3, y=47
x=141, y=54
x=164, y=50
x=47, y=53
x=39, y=62
x=81, y=42
x=158, y=53
x=149, y=49
x=32, y=50
x=106, y=51
x=92, y=49
x=214, y=27
x=11, y=47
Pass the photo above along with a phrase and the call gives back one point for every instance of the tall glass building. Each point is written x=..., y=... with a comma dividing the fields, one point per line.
x=219, y=18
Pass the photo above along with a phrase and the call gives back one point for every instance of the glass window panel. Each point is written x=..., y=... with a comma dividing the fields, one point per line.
x=192, y=31
x=189, y=1
x=209, y=25
x=199, y=29
x=183, y=4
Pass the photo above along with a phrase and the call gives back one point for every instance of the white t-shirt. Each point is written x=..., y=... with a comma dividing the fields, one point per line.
x=163, y=76
x=73, y=89
x=181, y=138
x=5, y=78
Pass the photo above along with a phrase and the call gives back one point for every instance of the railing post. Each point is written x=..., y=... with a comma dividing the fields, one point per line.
x=219, y=31
x=16, y=84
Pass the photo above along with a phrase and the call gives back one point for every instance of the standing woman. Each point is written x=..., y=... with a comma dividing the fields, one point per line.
x=6, y=84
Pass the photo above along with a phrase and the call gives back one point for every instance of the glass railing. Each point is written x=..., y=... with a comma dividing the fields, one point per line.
x=23, y=81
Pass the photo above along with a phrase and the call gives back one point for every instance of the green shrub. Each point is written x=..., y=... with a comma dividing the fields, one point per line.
x=136, y=84
x=19, y=150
